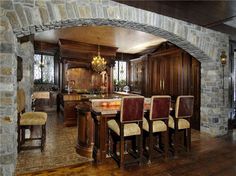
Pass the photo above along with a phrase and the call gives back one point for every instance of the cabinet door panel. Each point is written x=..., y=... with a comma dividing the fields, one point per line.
x=186, y=74
x=155, y=76
x=139, y=75
x=165, y=77
x=175, y=75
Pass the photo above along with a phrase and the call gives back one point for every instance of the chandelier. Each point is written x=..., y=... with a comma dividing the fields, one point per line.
x=98, y=62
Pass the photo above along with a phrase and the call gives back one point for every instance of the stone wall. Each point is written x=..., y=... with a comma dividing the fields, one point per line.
x=8, y=114
x=26, y=52
x=30, y=16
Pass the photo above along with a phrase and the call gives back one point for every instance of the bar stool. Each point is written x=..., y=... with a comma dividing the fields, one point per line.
x=28, y=119
x=128, y=126
x=157, y=122
x=180, y=121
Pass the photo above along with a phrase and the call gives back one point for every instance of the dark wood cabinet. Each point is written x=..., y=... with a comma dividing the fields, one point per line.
x=170, y=71
x=159, y=73
x=66, y=104
x=137, y=76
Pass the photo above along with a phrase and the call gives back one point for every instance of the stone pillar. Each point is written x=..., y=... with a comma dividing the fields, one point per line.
x=26, y=52
x=8, y=113
x=214, y=111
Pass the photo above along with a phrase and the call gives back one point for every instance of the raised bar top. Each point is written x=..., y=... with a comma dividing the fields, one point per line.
x=125, y=93
x=112, y=105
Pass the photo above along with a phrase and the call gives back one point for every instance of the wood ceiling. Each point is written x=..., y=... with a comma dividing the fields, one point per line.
x=126, y=40
x=216, y=15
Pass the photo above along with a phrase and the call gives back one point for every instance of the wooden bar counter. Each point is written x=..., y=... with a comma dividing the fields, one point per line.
x=102, y=111
x=66, y=104
x=85, y=123
x=85, y=126
x=93, y=111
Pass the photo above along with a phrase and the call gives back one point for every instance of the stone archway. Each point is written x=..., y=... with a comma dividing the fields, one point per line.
x=21, y=18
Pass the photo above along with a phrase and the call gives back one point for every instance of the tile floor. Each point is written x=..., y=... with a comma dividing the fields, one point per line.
x=59, y=148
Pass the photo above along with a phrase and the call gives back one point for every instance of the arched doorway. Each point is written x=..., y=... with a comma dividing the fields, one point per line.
x=19, y=19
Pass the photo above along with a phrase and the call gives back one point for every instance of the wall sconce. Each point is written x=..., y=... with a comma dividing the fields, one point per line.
x=223, y=58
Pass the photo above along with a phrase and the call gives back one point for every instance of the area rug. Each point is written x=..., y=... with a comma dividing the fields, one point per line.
x=59, y=149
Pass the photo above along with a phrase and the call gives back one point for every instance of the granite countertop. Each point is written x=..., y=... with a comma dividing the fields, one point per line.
x=106, y=109
x=99, y=96
x=112, y=105
x=125, y=93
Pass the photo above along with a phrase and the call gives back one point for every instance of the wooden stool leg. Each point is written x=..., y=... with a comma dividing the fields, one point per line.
x=144, y=142
x=114, y=147
x=175, y=141
x=43, y=137
x=166, y=143
x=23, y=135
x=18, y=139
x=140, y=149
x=31, y=130
x=133, y=143
x=122, y=152
x=160, y=136
x=150, y=147
x=188, y=139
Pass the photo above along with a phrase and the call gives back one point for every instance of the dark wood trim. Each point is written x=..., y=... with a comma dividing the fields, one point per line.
x=165, y=52
x=126, y=57
x=45, y=48
x=19, y=68
x=215, y=23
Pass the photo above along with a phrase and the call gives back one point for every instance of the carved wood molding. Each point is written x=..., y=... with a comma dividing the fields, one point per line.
x=45, y=48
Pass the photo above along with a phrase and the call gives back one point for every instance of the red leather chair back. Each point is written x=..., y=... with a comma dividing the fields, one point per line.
x=160, y=107
x=184, y=106
x=132, y=108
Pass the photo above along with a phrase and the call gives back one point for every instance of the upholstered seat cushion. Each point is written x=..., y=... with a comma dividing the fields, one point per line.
x=183, y=123
x=130, y=129
x=158, y=125
x=33, y=118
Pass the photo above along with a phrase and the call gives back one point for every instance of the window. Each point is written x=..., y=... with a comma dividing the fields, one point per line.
x=119, y=73
x=43, y=68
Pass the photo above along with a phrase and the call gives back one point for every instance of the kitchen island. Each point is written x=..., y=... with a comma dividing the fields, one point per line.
x=92, y=117
x=86, y=127
x=66, y=106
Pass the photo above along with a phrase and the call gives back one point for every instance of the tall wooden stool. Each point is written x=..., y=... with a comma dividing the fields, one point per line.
x=179, y=121
x=127, y=126
x=157, y=122
x=28, y=119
